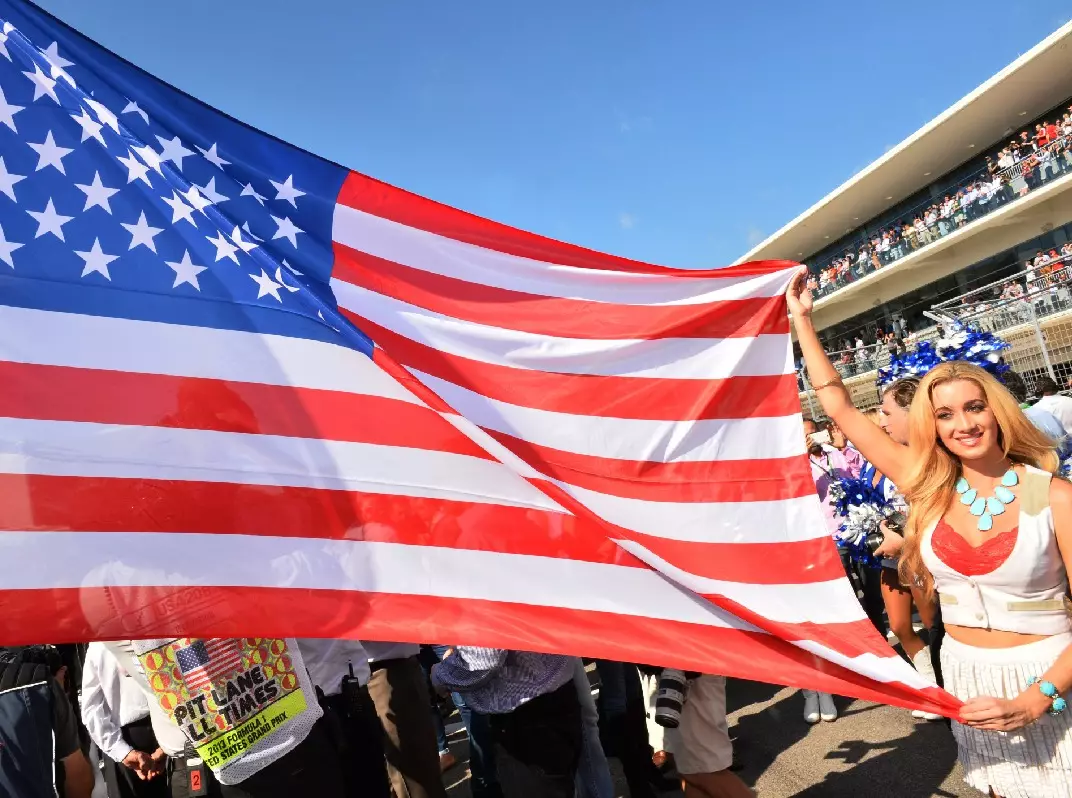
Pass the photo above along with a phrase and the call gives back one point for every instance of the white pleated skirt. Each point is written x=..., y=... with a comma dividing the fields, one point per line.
x=1033, y=762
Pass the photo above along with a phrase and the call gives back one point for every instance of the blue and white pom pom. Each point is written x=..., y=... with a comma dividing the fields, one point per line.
x=964, y=343
x=860, y=505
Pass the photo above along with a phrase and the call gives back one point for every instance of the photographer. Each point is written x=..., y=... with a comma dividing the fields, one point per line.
x=701, y=739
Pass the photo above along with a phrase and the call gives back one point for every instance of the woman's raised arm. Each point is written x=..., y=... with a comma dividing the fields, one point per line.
x=886, y=455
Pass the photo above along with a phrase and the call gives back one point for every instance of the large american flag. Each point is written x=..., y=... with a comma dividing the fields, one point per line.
x=248, y=391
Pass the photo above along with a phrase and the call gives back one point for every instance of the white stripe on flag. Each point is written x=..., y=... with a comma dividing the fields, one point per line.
x=85, y=449
x=58, y=560
x=628, y=439
x=50, y=338
x=437, y=254
x=670, y=358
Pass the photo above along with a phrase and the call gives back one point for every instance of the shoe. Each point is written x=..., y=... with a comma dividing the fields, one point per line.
x=827, y=710
x=811, y=706
x=922, y=663
x=447, y=760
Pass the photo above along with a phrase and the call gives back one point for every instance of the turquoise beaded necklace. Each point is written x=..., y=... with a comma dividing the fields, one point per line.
x=985, y=508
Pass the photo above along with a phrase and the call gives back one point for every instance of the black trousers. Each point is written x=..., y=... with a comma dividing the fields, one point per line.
x=538, y=745
x=867, y=582
x=360, y=745
x=122, y=781
x=310, y=769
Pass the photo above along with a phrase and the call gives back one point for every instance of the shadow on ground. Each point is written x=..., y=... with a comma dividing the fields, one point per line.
x=871, y=749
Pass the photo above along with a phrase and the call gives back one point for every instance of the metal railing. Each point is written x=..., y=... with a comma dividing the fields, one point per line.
x=938, y=218
x=1032, y=312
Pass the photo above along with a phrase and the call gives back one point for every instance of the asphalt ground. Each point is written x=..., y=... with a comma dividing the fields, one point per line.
x=871, y=750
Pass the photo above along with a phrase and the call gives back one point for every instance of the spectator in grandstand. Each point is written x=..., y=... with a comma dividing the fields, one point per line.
x=863, y=361
x=1012, y=290
x=1053, y=402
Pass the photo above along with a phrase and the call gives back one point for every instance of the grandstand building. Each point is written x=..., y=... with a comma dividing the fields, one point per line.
x=948, y=220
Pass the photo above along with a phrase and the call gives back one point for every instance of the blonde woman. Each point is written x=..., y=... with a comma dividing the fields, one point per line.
x=990, y=531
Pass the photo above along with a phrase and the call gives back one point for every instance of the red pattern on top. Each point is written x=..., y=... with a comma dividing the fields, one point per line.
x=952, y=549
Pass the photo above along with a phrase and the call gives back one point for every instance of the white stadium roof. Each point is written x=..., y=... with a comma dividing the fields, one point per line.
x=1028, y=87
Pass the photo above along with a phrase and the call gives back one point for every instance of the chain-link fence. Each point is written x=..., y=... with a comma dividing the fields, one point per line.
x=1032, y=312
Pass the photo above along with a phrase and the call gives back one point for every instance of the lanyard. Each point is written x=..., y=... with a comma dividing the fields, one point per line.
x=828, y=469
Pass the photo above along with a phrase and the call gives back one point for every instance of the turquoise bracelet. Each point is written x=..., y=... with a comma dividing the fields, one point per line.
x=1049, y=689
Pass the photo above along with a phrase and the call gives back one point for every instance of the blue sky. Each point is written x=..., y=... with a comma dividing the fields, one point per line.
x=674, y=132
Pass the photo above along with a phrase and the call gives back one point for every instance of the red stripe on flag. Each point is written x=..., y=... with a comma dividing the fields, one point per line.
x=115, y=397
x=389, y=202
x=593, y=395
x=564, y=318
x=703, y=481
x=104, y=504
x=101, y=613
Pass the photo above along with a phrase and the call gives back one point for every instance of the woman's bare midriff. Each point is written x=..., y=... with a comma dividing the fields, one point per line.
x=990, y=638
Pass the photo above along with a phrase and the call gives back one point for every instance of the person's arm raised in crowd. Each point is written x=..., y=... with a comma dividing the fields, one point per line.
x=888, y=457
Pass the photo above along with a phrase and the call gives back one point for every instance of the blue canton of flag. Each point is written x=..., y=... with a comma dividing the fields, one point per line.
x=126, y=197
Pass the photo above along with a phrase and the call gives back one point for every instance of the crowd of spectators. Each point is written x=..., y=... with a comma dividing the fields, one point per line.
x=1024, y=164
x=1047, y=274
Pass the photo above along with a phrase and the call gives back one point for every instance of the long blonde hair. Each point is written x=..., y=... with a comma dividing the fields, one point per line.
x=930, y=487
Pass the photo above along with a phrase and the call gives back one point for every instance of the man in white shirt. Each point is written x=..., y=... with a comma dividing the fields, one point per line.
x=399, y=688
x=1053, y=402
x=340, y=671
x=115, y=712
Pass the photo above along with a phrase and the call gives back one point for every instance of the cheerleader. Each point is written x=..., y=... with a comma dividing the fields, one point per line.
x=989, y=531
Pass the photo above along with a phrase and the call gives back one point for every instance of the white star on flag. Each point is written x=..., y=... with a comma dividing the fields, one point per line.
x=213, y=157
x=195, y=198
x=286, y=229
x=179, y=209
x=48, y=221
x=142, y=233
x=97, y=194
x=136, y=170
x=224, y=248
x=279, y=279
x=8, y=111
x=266, y=285
x=58, y=63
x=149, y=157
x=49, y=154
x=209, y=190
x=6, y=248
x=132, y=108
x=249, y=191
x=8, y=180
x=103, y=114
x=236, y=236
x=173, y=151
x=44, y=86
x=91, y=128
x=291, y=269
x=286, y=192
x=96, y=260
x=186, y=271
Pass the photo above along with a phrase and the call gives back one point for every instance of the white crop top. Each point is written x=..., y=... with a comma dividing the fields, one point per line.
x=1024, y=594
